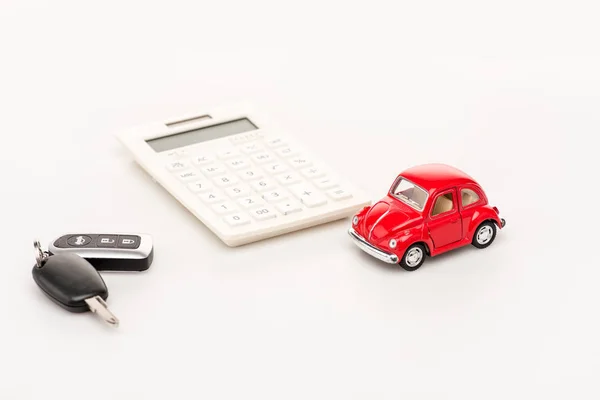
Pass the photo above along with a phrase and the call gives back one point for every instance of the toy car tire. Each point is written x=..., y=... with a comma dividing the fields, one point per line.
x=484, y=235
x=413, y=258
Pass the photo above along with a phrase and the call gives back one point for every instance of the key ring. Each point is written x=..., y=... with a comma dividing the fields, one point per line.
x=40, y=255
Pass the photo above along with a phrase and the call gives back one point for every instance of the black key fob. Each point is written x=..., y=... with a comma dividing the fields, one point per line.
x=69, y=281
x=108, y=252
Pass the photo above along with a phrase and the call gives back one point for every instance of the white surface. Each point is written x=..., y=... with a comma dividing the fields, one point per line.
x=243, y=224
x=508, y=92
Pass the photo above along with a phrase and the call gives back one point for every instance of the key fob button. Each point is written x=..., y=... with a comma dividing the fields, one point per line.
x=79, y=240
x=128, y=242
x=106, y=241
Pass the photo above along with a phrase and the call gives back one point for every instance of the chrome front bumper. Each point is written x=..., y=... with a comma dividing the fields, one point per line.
x=372, y=250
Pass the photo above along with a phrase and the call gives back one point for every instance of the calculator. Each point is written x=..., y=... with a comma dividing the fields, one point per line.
x=240, y=175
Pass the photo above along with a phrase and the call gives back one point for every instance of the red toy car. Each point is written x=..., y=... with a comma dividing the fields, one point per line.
x=429, y=210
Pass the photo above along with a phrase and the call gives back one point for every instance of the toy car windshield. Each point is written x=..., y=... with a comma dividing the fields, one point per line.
x=409, y=193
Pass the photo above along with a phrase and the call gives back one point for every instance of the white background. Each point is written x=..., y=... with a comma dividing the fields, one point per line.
x=507, y=91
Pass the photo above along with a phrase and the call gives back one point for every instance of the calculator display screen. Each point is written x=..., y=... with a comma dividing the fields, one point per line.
x=201, y=134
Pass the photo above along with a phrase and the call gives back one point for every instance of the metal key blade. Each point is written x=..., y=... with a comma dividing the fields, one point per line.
x=98, y=306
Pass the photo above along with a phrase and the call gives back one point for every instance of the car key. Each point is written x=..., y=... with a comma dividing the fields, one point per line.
x=108, y=252
x=72, y=283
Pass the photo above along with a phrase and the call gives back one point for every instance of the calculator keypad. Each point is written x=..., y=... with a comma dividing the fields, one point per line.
x=255, y=181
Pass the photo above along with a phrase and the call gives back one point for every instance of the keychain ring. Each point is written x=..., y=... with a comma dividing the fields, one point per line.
x=40, y=256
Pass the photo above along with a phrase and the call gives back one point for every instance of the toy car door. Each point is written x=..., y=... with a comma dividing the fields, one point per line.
x=445, y=222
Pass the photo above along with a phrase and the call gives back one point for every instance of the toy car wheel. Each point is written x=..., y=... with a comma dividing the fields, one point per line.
x=484, y=235
x=413, y=258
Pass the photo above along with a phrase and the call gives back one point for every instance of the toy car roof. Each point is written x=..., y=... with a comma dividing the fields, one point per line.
x=436, y=176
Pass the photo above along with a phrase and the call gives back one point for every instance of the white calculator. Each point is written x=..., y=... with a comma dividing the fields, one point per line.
x=244, y=178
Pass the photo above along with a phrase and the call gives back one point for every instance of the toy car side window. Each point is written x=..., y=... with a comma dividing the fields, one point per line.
x=444, y=203
x=468, y=197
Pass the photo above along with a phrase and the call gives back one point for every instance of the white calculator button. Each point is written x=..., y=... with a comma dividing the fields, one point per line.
x=262, y=157
x=300, y=162
x=239, y=163
x=250, y=174
x=237, y=219
x=225, y=208
x=262, y=185
x=263, y=212
x=226, y=180
x=250, y=201
x=226, y=154
x=276, y=167
x=238, y=191
x=177, y=165
x=313, y=200
x=308, y=195
x=199, y=186
x=275, y=142
x=339, y=194
x=213, y=170
x=211, y=197
x=202, y=160
x=273, y=196
x=288, y=207
x=312, y=172
x=251, y=148
x=325, y=183
x=288, y=178
x=286, y=152
x=188, y=175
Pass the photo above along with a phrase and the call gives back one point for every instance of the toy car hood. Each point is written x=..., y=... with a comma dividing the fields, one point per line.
x=386, y=217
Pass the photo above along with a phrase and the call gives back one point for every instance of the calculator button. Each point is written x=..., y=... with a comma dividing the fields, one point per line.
x=238, y=163
x=288, y=178
x=226, y=154
x=263, y=212
x=211, y=197
x=325, y=183
x=286, y=152
x=250, y=201
x=251, y=148
x=262, y=157
x=274, y=196
x=300, y=162
x=177, y=165
x=276, y=167
x=237, y=219
x=275, y=142
x=339, y=194
x=188, y=175
x=225, y=208
x=262, y=185
x=312, y=172
x=199, y=186
x=308, y=196
x=288, y=207
x=250, y=174
x=313, y=200
x=213, y=170
x=226, y=180
x=202, y=160
x=238, y=191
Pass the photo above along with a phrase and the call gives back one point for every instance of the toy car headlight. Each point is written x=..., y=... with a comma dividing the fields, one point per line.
x=355, y=220
x=393, y=244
